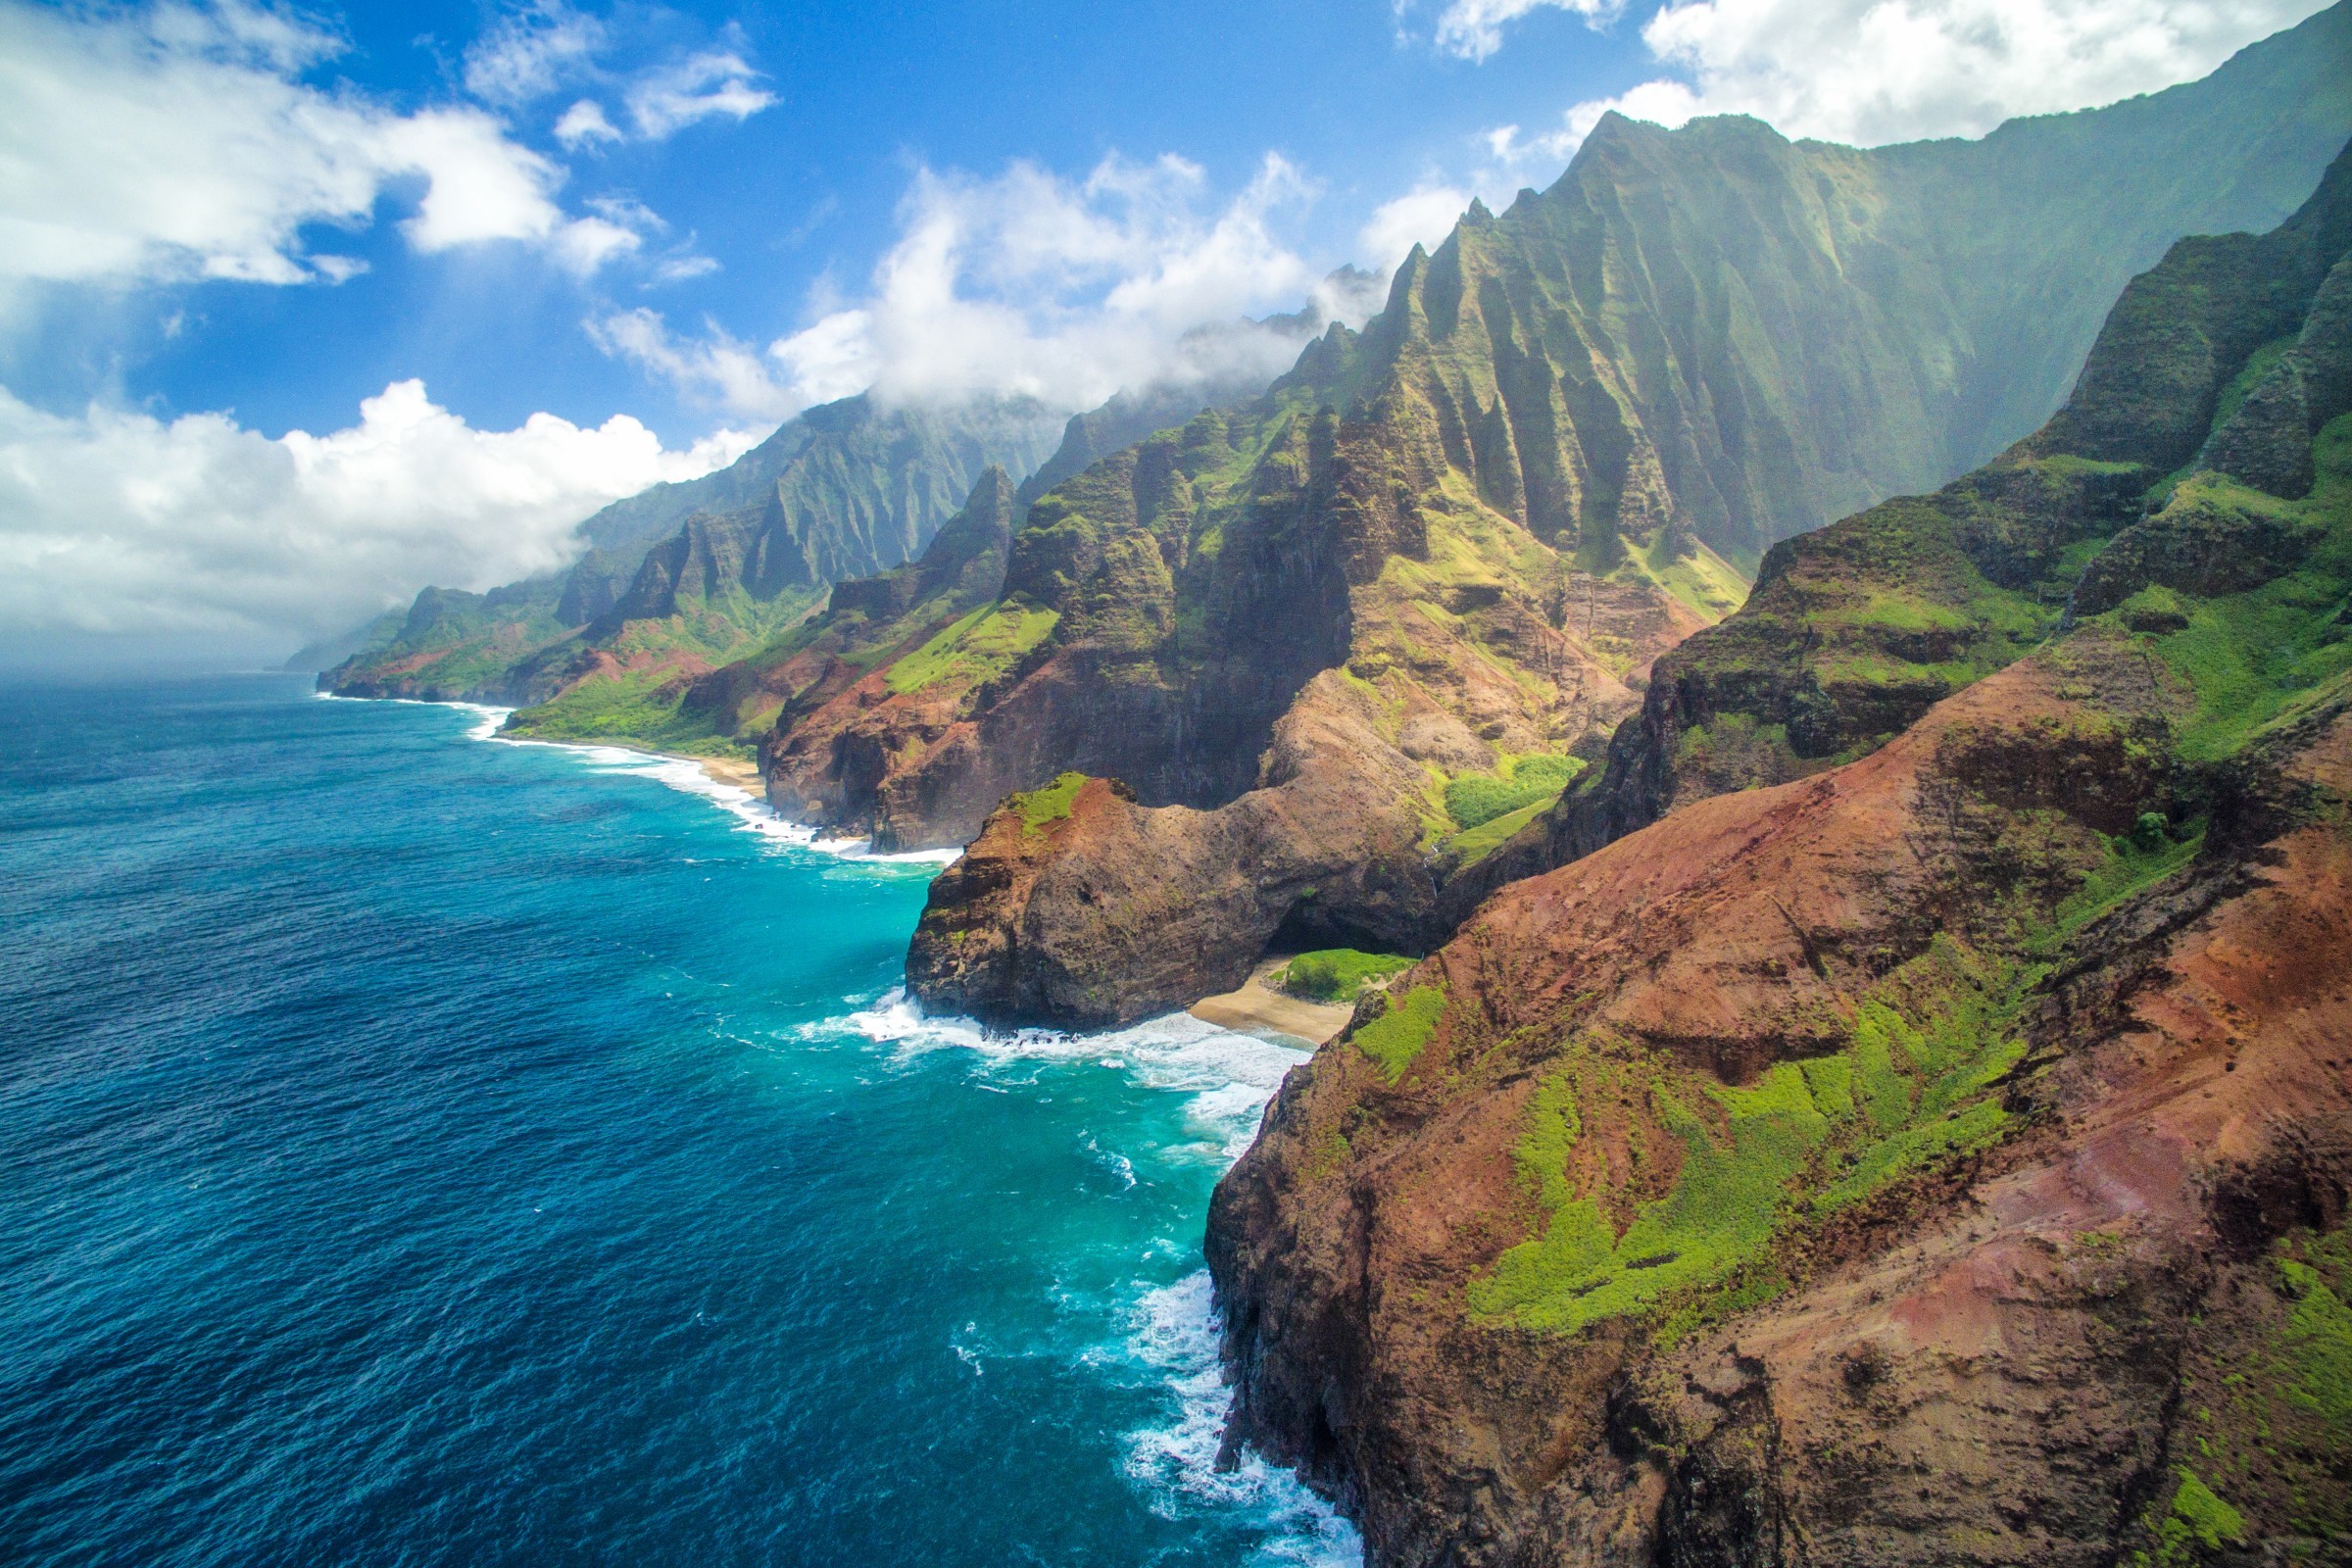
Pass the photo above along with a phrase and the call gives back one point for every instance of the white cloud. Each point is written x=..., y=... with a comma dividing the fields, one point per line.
x=1871, y=72
x=114, y=523
x=715, y=370
x=1473, y=29
x=530, y=52
x=483, y=187
x=585, y=123
x=590, y=242
x=1063, y=290
x=706, y=86
x=176, y=143
x=1423, y=215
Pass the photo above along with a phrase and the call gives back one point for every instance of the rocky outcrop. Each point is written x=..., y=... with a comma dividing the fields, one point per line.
x=1940, y=1155
x=1113, y=911
x=1853, y=1171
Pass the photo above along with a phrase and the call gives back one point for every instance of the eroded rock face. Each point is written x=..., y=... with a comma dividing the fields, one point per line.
x=1984, y=1354
x=1118, y=911
x=1854, y=631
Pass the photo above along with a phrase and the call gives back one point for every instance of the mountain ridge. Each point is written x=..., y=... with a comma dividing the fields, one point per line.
x=1938, y=1156
x=1548, y=413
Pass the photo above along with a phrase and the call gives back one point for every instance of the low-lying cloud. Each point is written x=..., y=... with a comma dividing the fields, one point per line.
x=114, y=522
x=1873, y=71
x=1030, y=284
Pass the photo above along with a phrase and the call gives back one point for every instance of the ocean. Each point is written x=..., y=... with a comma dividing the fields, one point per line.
x=427, y=1148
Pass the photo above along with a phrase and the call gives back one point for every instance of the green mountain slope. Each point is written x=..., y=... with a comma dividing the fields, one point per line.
x=844, y=489
x=1743, y=338
x=1937, y=1158
x=683, y=704
x=2225, y=357
x=1462, y=535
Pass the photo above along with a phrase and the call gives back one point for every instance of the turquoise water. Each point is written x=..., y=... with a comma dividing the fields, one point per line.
x=422, y=1148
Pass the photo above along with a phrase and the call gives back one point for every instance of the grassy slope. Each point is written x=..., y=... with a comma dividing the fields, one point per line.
x=1913, y=1085
x=642, y=703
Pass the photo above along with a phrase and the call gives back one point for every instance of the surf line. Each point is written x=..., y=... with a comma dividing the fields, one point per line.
x=686, y=775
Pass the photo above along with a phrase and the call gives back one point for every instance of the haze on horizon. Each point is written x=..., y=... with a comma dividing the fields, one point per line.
x=301, y=311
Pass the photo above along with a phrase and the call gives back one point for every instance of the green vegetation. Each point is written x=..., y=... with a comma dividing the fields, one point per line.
x=1722, y=1208
x=2316, y=1348
x=1707, y=584
x=983, y=644
x=2197, y=1517
x=1050, y=804
x=2255, y=657
x=2259, y=365
x=637, y=708
x=1338, y=974
x=1911, y=1089
x=1395, y=1039
x=2272, y=1399
x=1484, y=839
x=1476, y=798
x=2138, y=861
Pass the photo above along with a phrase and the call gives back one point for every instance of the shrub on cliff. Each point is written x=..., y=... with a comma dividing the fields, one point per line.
x=1338, y=974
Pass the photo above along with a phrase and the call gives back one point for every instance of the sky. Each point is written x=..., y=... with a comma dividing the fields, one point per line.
x=302, y=308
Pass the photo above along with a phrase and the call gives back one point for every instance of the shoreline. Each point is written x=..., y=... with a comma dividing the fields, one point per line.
x=744, y=776
x=1256, y=1005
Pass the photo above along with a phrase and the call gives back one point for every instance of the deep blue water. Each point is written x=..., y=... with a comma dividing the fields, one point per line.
x=425, y=1149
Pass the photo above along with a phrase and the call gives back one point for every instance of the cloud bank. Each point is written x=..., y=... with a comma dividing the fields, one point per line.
x=1873, y=71
x=1029, y=285
x=176, y=142
x=114, y=522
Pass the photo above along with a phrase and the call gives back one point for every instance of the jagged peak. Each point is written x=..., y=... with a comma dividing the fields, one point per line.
x=994, y=486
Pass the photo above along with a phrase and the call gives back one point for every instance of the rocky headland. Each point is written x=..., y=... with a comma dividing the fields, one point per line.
x=1922, y=1131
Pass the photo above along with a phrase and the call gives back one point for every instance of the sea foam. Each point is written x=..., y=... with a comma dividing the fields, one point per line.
x=1175, y=1332
x=1226, y=1076
x=1171, y=1332
x=687, y=776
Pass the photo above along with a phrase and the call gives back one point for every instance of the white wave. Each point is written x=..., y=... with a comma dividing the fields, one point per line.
x=753, y=814
x=1226, y=1076
x=1174, y=1331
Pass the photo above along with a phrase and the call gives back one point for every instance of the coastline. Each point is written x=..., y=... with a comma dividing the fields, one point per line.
x=744, y=776
x=1258, y=1005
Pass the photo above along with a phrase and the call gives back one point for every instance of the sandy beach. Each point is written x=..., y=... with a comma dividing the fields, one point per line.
x=1259, y=1007
x=726, y=770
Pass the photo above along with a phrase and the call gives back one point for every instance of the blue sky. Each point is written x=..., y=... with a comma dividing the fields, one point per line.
x=304, y=308
x=799, y=198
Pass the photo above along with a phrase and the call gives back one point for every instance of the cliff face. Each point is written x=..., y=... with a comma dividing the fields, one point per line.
x=1286, y=632
x=1753, y=1191
x=1529, y=476
x=2226, y=347
x=1940, y=1156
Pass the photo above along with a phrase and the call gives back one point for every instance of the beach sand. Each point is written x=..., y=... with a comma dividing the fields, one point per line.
x=1259, y=1007
x=725, y=770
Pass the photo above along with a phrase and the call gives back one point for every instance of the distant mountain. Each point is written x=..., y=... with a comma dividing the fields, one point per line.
x=1745, y=337
x=583, y=693
x=844, y=489
x=1856, y=631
